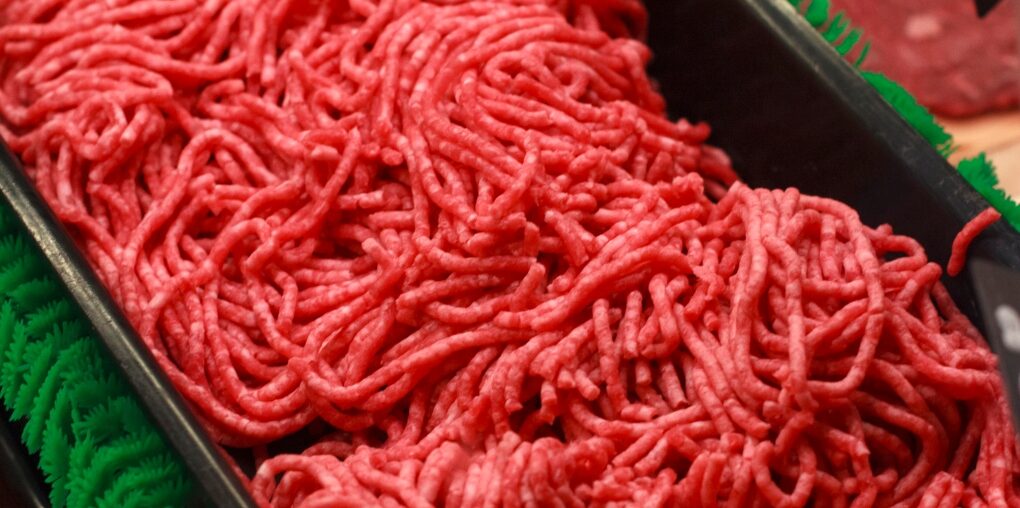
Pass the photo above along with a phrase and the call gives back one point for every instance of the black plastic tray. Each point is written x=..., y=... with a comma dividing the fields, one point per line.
x=791, y=112
x=782, y=103
x=22, y=482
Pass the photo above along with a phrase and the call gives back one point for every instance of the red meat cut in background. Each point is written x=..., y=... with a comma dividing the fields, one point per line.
x=952, y=61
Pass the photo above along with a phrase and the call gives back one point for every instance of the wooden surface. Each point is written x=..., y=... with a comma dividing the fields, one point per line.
x=996, y=134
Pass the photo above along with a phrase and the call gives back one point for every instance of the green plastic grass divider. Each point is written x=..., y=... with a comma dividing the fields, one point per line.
x=95, y=445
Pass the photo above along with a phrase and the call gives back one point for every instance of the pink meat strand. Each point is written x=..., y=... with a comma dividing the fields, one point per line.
x=966, y=236
x=459, y=246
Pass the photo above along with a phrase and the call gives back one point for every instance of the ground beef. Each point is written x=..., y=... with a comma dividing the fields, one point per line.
x=459, y=248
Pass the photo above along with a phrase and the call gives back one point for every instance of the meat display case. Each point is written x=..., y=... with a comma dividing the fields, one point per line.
x=781, y=102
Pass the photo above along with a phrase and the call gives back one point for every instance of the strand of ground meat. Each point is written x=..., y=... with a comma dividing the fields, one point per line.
x=459, y=245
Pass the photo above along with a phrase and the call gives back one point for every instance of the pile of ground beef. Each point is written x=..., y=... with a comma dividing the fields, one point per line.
x=458, y=246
